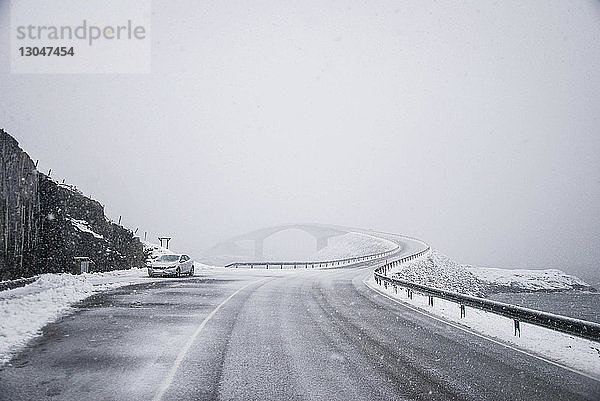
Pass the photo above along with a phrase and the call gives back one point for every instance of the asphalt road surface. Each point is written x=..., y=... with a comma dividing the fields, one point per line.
x=271, y=335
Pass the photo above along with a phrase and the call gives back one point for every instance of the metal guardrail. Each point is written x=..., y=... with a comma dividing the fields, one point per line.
x=580, y=328
x=309, y=264
x=21, y=282
x=313, y=264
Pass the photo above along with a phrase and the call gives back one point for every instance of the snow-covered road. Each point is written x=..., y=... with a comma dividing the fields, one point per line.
x=242, y=334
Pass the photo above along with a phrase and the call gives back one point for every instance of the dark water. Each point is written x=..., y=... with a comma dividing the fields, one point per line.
x=577, y=304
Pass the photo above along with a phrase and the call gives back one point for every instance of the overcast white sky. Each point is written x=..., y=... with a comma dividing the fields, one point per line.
x=472, y=125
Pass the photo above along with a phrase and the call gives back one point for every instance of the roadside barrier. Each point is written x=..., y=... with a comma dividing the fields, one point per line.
x=576, y=327
x=572, y=326
x=312, y=264
x=21, y=282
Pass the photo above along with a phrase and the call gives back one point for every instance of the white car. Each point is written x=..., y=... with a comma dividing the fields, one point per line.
x=171, y=265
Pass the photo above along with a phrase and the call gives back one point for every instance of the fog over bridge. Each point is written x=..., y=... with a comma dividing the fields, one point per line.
x=320, y=232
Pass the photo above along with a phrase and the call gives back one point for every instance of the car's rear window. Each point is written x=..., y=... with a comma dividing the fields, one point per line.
x=168, y=258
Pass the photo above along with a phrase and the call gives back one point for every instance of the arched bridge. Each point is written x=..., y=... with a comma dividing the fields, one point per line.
x=320, y=232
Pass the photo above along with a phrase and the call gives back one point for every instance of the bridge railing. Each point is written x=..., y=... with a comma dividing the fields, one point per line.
x=315, y=263
x=576, y=327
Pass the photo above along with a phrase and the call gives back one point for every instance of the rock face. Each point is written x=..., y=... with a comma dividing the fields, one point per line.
x=19, y=208
x=45, y=225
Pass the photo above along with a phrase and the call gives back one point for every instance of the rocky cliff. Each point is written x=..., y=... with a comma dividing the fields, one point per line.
x=46, y=225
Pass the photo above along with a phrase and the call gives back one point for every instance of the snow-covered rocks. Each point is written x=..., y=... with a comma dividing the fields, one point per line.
x=439, y=271
x=84, y=226
x=505, y=280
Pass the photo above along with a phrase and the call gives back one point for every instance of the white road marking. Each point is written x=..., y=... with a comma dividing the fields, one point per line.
x=169, y=379
x=422, y=312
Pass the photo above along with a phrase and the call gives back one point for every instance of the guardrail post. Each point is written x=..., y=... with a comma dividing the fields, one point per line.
x=267, y=266
x=517, y=327
x=395, y=288
x=430, y=301
x=409, y=293
x=385, y=285
x=462, y=311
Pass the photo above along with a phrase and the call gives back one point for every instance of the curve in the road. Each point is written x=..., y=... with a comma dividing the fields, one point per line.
x=271, y=335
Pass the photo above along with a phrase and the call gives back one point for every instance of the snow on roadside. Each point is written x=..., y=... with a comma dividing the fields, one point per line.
x=351, y=245
x=439, y=271
x=573, y=352
x=199, y=265
x=25, y=310
x=506, y=280
x=157, y=251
